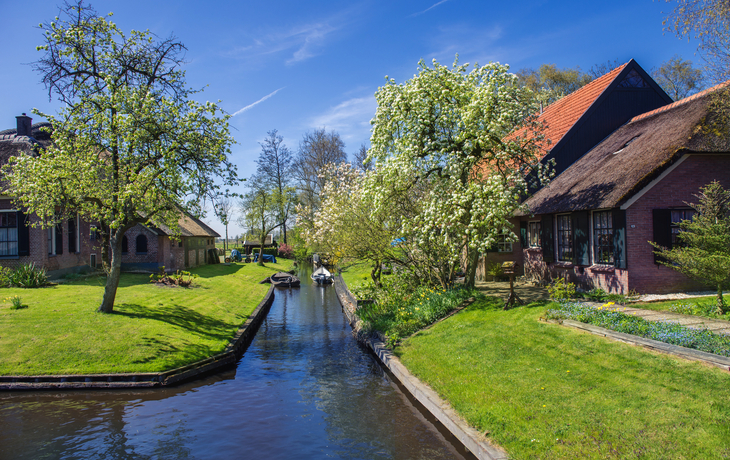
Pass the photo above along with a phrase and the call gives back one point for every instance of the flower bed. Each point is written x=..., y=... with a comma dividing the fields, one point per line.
x=675, y=334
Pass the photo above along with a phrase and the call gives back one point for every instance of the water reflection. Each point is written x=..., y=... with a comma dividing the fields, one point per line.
x=303, y=389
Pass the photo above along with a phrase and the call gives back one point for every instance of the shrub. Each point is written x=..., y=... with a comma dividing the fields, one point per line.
x=599, y=295
x=286, y=251
x=28, y=276
x=494, y=269
x=561, y=289
x=269, y=251
x=16, y=302
x=5, y=273
x=179, y=278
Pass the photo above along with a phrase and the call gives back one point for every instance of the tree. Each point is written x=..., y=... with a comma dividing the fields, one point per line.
x=707, y=21
x=317, y=149
x=259, y=212
x=224, y=210
x=129, y=146
x=600, y=70
x=550, y=83
x=678, y=78
x=360, y=158
x=441, y=148
x=275, y=168
x=704, y=250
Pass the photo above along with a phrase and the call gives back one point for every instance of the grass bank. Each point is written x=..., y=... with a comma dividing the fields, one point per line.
x=153, y=328
x=697, y=306
x=355, y=272
x=544, y=391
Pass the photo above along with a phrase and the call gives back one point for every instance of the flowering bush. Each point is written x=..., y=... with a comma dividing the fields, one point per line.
x=398, y=310
x=16, y=302
x=672, y=333
x=286, y=251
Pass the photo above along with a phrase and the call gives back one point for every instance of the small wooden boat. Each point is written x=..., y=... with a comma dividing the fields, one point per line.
x=322, y=276
x=283, y=279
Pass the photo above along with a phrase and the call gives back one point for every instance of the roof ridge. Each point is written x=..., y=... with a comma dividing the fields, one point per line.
x=680, y=102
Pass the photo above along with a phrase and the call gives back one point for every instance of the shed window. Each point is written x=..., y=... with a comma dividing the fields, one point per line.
x=565, y=238
x=603, y=237
x=9, y=233
x=141, y=244
x=533, y=233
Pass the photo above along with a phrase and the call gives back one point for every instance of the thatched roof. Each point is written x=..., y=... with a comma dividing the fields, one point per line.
x=189, y=227
x=631, y=157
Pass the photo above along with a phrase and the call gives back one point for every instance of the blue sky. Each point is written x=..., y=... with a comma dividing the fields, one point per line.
x=300, y=65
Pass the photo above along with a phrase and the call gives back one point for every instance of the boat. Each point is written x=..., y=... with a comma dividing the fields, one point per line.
x=283, y=279
x=322, y=276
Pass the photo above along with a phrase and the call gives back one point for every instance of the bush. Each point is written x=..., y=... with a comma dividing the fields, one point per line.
x=268, y=251
x=561, y=290
x=28, y=276
x=399, y=310
x=285, y=251
x=599, y=295
x=179, y=278
x=5, y=273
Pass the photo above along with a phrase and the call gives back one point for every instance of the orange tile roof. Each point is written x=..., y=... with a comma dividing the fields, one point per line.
x=564, y=113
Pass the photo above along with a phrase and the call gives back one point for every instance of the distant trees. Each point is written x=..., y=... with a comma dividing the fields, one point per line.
x=708, y=22
x=704, y=250
x=678, y=78
x=275, y=168
x=550, y=83
x=602, y=69
x=359, y=158
x=317, y=150
x=224, y=209
x=259, y=212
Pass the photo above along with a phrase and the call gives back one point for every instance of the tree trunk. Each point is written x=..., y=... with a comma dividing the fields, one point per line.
x=285, y=233
x=472, y=259
x=720, y=301
x=225, y=244
x=375, y=273
x=261, y=249
x=112, y=279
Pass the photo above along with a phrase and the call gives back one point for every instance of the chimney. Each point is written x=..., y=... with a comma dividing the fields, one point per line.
x=24, y=125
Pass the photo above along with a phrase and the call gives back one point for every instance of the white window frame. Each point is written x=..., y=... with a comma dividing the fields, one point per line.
x=17, y=234
x=503, y=245
x=530, y=233
x=593, y=238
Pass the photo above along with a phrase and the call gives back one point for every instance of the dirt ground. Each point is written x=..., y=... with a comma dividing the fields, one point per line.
x=525, y=291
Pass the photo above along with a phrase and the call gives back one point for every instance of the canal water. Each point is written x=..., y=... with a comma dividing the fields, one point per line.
x=303, y=389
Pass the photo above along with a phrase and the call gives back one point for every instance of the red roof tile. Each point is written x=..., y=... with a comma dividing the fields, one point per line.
x=564, y=113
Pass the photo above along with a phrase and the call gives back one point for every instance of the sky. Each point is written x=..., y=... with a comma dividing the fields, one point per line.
x=296, y=66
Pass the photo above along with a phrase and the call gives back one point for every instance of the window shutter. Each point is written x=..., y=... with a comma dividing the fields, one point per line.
x=662, y=219
x=581, y=248
x=618, y=218
x=23, y=235
x=523, y=235
x=548, y=245
x=59, y=239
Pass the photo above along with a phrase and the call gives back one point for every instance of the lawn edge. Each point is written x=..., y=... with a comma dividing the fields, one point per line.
x=233, y=351
x=472, y=440
x=654, y=345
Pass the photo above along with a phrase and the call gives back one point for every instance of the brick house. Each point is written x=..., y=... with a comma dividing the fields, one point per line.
x=577, y=122
x=71, y=246
x=592, y=224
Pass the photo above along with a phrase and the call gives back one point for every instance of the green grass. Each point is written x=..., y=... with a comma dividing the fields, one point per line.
x=696, y=306
x=355, y=272
x=152, y=329
x=545, y=391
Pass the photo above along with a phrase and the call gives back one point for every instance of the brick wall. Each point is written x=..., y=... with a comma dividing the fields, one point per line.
x=133, y=256
x=501, y=257
x=678, y=187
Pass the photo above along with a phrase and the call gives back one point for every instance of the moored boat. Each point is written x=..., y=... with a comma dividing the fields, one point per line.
x=283, y=279
x=322, y=276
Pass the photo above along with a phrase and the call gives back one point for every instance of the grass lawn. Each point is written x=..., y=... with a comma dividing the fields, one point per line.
x=356, y=272
x=697, y=306
x=153, y=328
x=545, y=391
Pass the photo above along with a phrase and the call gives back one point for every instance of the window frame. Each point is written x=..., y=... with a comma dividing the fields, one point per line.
x=9, y=242
x=607, y=229
x=503, y=245
x=674, y=229
x=564, y=238
x=534, y=233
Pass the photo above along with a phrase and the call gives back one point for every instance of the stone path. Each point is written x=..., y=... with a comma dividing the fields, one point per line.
x=696, y=322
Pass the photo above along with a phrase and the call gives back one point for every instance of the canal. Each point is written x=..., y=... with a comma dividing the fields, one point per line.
x=303, y=389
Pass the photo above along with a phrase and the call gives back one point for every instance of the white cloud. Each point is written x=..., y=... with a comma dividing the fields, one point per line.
x=351, y=118
x=257, y=102
x=430, y=7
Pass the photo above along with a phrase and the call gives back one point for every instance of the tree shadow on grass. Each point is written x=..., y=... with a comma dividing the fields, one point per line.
x=181, y=317
x=176, y=352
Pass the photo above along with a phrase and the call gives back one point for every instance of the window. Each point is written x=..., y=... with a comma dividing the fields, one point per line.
x=503, y=244
x=678, y=215
x=125, y=244
x=602, y=237
x=565, y=238
x=9, y=233
x=51, y=241
x=533, y=234
x=141, y=244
